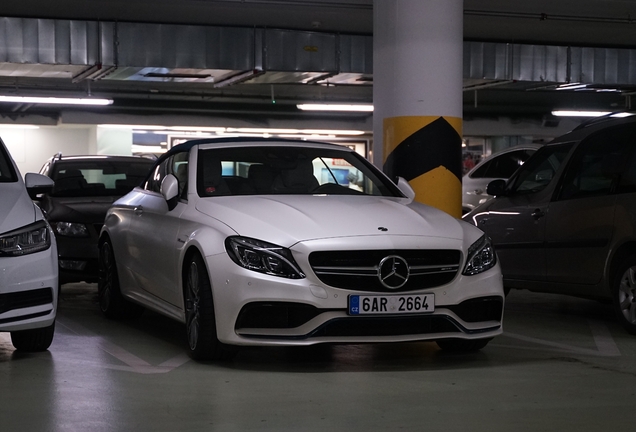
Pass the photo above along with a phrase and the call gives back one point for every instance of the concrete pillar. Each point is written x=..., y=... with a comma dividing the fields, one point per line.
x=417, y=96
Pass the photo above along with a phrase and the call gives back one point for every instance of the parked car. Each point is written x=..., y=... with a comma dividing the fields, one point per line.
x=565, y=222
x=270, y=242
x=85, y=187
x=499, y=165
x=28, y=260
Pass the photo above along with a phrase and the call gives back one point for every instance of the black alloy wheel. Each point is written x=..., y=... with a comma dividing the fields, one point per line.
x=624, y=293
x=111, y=302
x=199, y=313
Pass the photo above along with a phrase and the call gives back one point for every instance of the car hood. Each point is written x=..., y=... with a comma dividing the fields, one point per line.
x=17, y=209
x=288, y=219
x=80, y=209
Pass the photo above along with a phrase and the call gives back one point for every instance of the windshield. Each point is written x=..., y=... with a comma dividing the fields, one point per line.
x=98, y=177
x=7, y=173
x=288, y=170
x=539, y=170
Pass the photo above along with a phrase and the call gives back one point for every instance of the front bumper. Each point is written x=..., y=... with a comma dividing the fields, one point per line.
x=257, y=309
x=28, y=290
x=77, y=258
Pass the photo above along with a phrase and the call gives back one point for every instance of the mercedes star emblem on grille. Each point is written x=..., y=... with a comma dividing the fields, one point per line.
x=393, y=271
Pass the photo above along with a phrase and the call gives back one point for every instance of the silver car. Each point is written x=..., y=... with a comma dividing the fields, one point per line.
x=499, y=165
x=565, y=222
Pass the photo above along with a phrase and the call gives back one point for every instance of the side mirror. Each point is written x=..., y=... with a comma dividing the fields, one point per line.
x=544, y=176
x=406, y=188
x=170, y=190
x=37, y=184
x=496, y=187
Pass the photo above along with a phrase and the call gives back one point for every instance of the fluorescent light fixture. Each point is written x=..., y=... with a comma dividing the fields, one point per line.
x=335, y=107
x=294, y=131
x=570, y=113
x=18, y=126
x=55, y=100
x=195, y=131
x=571, y=86
x=163, y=128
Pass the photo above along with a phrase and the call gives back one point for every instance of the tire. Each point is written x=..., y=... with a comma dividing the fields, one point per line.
x=624, y=293
x=111, y=302
x=462, y=345
x=199, y=313
x=33, y=340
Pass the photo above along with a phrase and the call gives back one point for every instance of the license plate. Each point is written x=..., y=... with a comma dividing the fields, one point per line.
x=393, y=304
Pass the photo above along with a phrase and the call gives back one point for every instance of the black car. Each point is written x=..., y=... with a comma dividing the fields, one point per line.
x=85, y=187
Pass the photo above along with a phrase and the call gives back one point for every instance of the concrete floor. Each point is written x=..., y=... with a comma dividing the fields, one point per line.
x=563, y=364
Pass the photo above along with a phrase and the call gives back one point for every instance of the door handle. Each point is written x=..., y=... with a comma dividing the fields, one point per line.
x=537, y=214
x=138, y=211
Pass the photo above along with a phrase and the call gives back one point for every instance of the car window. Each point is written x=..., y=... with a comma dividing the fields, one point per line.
x=153, y=183
x=288, y=170
x=97, y=177
x=502, y=166
x=539, y=170
x=7, y=173
x=176, y=165
x=597, y=164
x=179, y=167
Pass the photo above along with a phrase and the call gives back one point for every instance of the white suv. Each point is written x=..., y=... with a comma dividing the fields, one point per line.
x=28, y=260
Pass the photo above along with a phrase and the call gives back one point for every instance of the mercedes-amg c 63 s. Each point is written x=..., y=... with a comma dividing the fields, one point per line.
x=273, y=242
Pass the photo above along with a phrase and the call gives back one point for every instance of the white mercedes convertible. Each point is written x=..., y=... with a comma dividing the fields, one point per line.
x=274, y=242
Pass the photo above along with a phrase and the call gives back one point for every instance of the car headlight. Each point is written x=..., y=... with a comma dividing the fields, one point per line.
x=263, y=257
x=481, y=257
x=26, y=240
x=70, y=229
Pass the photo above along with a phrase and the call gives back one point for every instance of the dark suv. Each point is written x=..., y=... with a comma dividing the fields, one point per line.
x=565, y=222
x=85, y=187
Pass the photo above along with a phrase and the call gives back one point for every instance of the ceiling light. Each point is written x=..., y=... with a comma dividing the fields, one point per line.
x=335, y=107
x=570, y=113
x=571, y=86
x=18, y=126
x=55, y=100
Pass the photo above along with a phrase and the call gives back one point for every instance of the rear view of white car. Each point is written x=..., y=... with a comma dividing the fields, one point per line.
x=28, y=260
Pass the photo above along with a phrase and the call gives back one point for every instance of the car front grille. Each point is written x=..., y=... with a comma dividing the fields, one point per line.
x=358, y=270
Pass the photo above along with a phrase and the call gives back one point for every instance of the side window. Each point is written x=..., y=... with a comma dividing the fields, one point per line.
x=482, y=170
x=506, y=164
x=597, y=165
x=538, y=172
x=179, y=167
x=502, y=166
x=159, y=173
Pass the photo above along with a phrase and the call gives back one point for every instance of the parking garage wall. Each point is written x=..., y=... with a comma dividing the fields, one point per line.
x=30, y=148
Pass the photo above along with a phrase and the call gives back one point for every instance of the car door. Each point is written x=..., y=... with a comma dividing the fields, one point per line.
x=580, y=221
x=516, y=222
x=154, y=234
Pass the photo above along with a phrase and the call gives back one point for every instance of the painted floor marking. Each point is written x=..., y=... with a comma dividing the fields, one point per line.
x=133, y=363
x=605, y=345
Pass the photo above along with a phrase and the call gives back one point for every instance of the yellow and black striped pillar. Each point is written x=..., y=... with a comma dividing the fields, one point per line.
x=417, y=97
x=427, y=152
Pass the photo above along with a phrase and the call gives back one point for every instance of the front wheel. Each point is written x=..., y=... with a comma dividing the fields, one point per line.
x=462, y=345
x=199, y=313
x=33, y=340
x=111, y=302
x=624, y=293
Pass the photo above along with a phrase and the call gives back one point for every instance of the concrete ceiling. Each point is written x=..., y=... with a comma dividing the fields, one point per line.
x=582, y=23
